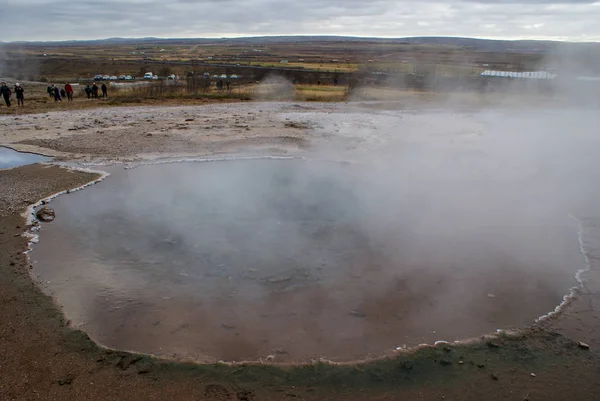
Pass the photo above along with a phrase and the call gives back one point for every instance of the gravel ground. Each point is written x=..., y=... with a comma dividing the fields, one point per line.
x=142, y=133
x=20, y=187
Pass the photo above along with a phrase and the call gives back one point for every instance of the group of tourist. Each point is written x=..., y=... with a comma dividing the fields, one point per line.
x=92, y=91
x=58, y=94
x=6, y=93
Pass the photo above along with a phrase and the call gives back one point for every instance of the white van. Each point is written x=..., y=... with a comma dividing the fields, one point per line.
x=148, y=75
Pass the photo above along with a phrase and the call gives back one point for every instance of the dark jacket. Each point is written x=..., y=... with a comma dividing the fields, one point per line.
x=19, y=92
x=5, y=91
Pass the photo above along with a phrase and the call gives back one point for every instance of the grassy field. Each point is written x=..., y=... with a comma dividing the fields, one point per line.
x=313, y=66
x=56, y=61
x=38, y=101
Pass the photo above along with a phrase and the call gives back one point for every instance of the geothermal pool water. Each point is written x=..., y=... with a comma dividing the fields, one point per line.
x=11, y=158
x=238, y=260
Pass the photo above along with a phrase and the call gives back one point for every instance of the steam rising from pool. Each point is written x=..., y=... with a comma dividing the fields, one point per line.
x=432, y=238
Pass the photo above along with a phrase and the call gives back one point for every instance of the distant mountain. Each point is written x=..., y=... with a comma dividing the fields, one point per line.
x=514, y=46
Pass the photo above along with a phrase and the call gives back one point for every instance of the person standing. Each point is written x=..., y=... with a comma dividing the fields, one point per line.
x=69, y=91
x=57, y=97
x=51, y=90
x=94, y=91
x=19, y=91
x=104, y=90
x=88, y=91
x=5, y=92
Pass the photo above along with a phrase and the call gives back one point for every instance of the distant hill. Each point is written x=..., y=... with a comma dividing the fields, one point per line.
x=512, y=46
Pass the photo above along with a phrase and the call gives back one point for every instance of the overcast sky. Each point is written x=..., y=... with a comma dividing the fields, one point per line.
x=575, y=20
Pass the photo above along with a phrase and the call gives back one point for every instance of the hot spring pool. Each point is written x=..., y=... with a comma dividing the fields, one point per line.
x=240, y=260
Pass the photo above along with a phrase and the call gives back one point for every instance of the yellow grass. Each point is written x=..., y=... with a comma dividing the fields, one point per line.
x=321, y=93
x=436, y=69
x=341, y=67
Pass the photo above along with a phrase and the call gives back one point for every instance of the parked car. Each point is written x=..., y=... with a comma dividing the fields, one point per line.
x=98, y=77
x=148, y=75
x=155, y=77
x=172, y=76
x=128, y=78
x=106, y=77
x=122, y=77
x=113, y=78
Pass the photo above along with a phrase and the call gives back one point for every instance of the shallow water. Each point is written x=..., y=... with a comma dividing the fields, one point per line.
x=243, y=259
x=11, y=158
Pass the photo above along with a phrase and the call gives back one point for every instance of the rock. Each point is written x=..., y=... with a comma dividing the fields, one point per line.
x=445, y=362
x=494, y=377
x=447, y=348
x=480, y=365
x=461, y=362
x=533, y=375
x=189, y=119
x=492, y=344
x=583, y=345
x=67, y=380
x=46, y=214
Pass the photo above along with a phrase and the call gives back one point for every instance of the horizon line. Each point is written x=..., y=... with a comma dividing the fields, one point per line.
x=222, y=38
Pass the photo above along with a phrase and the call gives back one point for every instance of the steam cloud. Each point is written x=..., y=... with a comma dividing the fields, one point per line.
x=437, y=211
